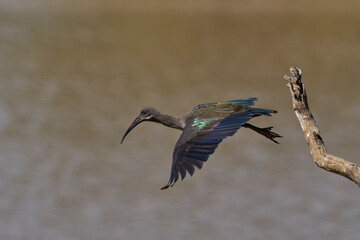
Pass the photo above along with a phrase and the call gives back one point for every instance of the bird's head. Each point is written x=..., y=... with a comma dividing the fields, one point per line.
x=146, y=114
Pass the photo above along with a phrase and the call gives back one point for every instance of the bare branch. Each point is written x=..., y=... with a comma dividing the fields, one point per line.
x=321, y=157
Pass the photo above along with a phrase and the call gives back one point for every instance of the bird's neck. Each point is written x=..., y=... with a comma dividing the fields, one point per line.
x=170, y=121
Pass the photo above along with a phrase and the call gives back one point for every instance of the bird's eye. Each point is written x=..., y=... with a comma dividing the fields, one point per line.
x=145, y=113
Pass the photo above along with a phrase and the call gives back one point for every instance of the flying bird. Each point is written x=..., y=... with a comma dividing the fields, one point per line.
x=203, y=129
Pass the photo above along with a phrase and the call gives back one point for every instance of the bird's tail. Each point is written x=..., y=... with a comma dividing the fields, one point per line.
x=262, y=112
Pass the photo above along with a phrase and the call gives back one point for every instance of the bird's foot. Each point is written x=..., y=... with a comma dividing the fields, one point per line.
x=269, y=134
x=266, y=132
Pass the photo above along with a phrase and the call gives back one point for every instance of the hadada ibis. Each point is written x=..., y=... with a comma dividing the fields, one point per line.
x=203, y=129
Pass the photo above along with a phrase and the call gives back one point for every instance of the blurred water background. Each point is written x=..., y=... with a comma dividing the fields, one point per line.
x=74, y=74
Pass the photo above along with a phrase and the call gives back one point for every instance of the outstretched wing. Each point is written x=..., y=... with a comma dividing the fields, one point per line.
x=210, y=125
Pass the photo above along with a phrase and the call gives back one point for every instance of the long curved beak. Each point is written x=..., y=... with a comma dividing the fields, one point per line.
x=132, y=126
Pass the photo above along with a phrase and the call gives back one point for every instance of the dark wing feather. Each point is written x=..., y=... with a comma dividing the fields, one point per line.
x=194, y=149
x=243, y=102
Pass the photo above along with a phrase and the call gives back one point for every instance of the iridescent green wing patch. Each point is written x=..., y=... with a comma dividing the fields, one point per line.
x=200, y=123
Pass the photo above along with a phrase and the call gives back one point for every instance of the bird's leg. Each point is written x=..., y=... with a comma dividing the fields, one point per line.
x=264, y=131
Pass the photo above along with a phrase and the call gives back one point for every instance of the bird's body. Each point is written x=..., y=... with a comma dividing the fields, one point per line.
x=203, y=129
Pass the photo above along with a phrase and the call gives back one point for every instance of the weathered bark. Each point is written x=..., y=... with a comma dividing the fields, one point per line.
x=318, y=151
